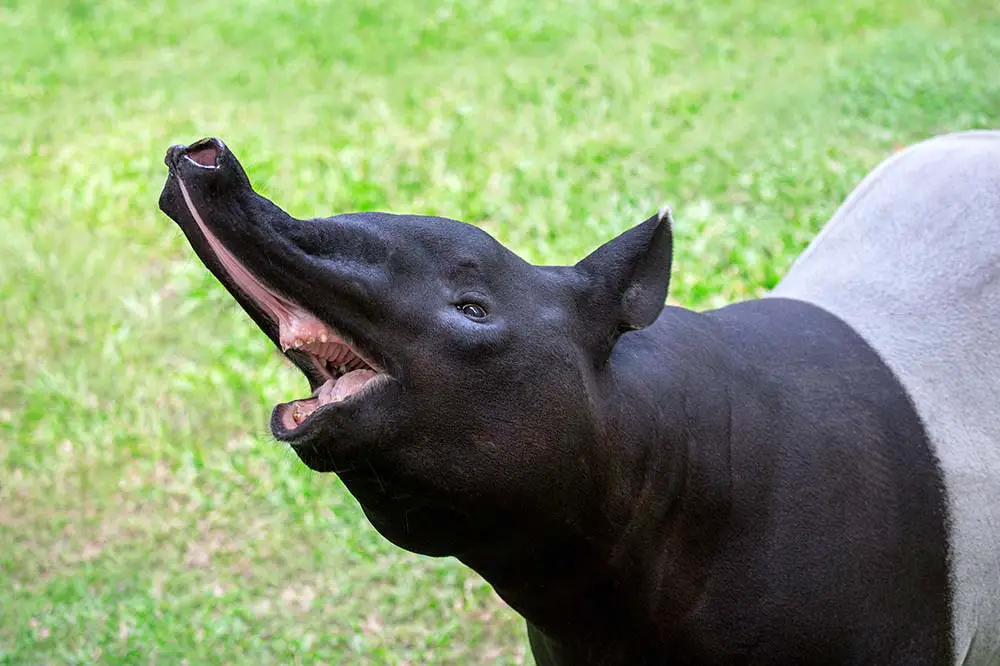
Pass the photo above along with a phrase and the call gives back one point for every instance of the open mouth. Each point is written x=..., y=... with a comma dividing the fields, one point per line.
x=346, y=371
x=348, y=375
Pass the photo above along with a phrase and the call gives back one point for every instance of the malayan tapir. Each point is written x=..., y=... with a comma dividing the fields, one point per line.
x=811, y=477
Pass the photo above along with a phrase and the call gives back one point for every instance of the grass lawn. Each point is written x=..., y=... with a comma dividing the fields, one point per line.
x=145, y=515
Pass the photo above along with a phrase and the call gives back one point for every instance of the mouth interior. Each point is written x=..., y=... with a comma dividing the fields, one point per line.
x=346, y=371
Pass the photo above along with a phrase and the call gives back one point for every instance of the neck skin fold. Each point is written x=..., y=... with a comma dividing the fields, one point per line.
x=650, y=517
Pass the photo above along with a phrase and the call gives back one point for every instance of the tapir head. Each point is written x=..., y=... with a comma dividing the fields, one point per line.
x=453, y=384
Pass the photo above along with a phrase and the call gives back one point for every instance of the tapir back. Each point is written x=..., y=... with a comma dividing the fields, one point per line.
x=911, y=262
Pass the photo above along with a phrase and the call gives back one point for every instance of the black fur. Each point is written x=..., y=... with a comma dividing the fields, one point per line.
x=644, y=485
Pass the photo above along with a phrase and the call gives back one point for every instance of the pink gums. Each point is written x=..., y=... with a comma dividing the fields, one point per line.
x=296, y=326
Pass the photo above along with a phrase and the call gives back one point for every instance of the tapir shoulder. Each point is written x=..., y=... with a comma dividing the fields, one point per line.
x=911, y=262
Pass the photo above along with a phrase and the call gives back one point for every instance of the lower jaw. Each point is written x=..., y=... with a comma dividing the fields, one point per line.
x=350, y=387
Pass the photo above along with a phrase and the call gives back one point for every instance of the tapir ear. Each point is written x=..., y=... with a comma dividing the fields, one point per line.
x=626, y=279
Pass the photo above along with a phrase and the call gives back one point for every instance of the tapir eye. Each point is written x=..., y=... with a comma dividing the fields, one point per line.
x=473, y=311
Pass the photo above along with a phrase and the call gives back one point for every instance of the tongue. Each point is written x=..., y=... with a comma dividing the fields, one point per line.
x=335, y=390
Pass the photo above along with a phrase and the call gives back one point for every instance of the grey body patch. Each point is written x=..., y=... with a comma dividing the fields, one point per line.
x=911, y=261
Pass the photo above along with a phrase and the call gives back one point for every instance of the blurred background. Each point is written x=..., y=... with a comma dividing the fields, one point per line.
x=145, y=514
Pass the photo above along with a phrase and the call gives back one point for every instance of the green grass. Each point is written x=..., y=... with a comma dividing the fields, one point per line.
x=145, y=515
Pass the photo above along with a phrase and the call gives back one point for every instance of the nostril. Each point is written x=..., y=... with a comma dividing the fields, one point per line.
x=205, y=153
x=205, y=157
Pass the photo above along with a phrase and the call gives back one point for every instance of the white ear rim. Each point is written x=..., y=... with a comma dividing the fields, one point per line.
x=665, y=212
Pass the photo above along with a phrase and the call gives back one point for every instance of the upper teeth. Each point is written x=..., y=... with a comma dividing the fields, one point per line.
x=331, y=355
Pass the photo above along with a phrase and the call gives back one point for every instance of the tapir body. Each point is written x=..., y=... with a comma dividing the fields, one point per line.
x=911, y=262
x=807, y=478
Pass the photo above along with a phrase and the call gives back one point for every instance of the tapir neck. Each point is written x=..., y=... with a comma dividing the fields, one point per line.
x=653, y=512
